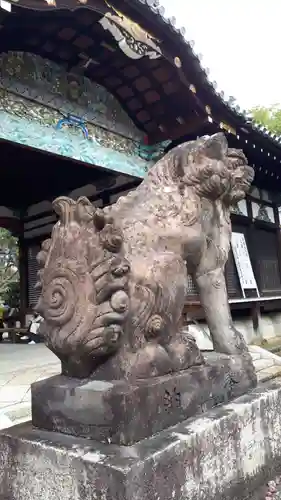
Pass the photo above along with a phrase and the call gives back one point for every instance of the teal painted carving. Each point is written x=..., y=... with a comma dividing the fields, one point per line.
x=46, y=108
x=153, y=152
x=71, y=144
x=33, y=124
x=47, y=83
x=36, y=112
x=73, y=121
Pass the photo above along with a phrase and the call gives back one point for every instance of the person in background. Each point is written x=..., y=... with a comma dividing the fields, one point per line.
x=10, y=318
x=2, y=309
x=33, y=329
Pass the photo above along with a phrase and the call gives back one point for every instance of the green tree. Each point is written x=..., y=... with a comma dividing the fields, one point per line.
x=9, y=273
x=269, y=117
x=11, y=295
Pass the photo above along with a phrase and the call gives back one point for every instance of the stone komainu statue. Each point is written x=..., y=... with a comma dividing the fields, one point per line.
x=114, y=280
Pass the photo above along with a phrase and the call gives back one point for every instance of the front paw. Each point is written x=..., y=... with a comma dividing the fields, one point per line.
x=184, y=352
x=150, y=361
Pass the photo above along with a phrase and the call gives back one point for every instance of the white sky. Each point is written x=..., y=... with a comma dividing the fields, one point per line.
x=240, y=41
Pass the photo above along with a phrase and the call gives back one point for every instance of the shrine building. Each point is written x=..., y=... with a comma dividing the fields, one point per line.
x=92, y=93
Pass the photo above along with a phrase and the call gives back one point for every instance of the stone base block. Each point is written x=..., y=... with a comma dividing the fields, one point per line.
x=226, y=454
x=121, y=413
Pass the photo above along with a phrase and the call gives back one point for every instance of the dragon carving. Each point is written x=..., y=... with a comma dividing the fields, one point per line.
x=113, y=280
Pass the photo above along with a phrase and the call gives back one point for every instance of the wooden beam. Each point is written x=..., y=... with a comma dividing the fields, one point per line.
x=251, y=243
x=23, y=263
x=195, y=123
x=278, y=236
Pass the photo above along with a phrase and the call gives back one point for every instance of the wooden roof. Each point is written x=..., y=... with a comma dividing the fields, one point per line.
x=150, y=89
x=168, y=95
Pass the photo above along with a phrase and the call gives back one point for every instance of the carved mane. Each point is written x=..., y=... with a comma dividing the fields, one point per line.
x=114, y=280
x=206, y=165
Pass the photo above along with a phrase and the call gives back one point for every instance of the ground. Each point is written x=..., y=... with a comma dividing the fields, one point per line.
x=20, y=366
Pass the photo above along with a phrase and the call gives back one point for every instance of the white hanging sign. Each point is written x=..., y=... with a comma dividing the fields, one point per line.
x=243, y=263
x=5, y=5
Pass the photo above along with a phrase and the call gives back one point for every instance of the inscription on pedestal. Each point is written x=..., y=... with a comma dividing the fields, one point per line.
x=172, y=399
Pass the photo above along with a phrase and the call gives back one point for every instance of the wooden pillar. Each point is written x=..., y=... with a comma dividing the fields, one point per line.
x=255, y=308
x=251, y=246
x=105, y=198
x=256, y=318
x=23, y=263
x=278, y=235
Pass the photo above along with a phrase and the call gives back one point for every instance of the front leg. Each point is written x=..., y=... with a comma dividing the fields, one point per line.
x=214, y=300
x=226, y=339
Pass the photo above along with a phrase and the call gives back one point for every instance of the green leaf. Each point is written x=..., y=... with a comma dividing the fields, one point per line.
x=269, y=117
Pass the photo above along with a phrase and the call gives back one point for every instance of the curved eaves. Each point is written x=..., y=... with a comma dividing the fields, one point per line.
x=179, y=36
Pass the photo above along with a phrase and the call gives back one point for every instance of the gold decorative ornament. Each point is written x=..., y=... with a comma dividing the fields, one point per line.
x=228, y=128
x=177, y=62
x=133, y=40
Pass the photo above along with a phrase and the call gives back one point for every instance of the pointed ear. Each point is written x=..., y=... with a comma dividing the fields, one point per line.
x=215, y=146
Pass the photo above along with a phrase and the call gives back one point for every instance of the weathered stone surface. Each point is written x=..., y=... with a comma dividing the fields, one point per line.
x=269, y=373
x=113, y=280
x=224, y=455
x=124, y=413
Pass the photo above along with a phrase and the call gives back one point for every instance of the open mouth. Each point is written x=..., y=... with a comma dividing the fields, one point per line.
x=243, y=184
x=243, y=176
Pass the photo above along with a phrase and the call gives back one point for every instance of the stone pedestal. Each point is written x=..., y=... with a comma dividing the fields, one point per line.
x=124, y=413
x=121, y=413
x=224, y=455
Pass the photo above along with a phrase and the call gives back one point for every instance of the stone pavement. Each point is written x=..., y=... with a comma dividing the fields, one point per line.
x=267, y=364
x=20, y=366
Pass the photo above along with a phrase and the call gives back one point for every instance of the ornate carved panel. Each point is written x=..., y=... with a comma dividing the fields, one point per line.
x=240, y=208
x=45, y=107
x=71, y=144
x=47, y=83
x=263, y=212
x=132, y=39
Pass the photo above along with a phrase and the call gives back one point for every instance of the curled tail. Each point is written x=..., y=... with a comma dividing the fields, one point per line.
x=84, y=286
